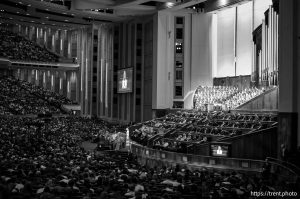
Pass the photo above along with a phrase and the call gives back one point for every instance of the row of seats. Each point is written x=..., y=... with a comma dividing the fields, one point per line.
x=15, y=47
x=194, y=127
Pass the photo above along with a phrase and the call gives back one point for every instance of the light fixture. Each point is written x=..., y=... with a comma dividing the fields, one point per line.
x=170, y=4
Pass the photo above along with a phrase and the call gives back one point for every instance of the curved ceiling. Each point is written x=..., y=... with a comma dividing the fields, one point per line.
x=70, y=14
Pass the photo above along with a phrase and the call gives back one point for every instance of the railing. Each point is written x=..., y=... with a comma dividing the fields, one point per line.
x=289, y=165
x=146, y=154
x=197, y=160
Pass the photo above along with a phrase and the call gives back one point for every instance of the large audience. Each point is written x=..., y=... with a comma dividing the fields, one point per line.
x=223, y=97
x=45, y=159
x=15, y=47
x=22, y=98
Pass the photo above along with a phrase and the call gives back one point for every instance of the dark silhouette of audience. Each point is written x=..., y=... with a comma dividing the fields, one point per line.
x=15, y=47
x=22, y=98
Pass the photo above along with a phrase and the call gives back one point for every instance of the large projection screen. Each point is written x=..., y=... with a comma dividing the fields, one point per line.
x=125, y=80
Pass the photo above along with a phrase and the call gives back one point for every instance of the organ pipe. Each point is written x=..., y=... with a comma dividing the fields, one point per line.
x=266, y=59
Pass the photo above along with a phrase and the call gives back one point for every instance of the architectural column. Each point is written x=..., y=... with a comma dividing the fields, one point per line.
x=289, y=82
x=37, y=77
x=68, y=81
x=29, y=75
x=52, y=81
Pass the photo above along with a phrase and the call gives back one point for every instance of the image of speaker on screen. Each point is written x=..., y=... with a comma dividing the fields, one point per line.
x=125, y=80
x=220, y=149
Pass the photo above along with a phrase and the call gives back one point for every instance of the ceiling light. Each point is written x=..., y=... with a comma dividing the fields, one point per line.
x=29, y=5
x=47, y=17
x=27, y=14
x=170, y=4
x=66, y=20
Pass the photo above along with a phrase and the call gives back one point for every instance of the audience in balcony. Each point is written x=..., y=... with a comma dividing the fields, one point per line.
x=15, y=47
x=22, y=98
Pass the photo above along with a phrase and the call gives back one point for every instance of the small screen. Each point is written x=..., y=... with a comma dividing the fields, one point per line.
x=219, y=150
x=125, y=80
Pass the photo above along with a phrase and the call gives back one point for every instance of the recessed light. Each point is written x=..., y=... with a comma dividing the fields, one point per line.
x=32, y=21
x=29, y=5
x=66, y=20
x=47, y=17
x=18, y=12
x=27, y=14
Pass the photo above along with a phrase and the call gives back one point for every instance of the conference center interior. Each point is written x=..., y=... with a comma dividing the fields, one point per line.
x=149, y=99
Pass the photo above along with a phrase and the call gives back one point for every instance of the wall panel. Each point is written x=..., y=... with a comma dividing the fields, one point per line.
x=225, y=39
x=244, y=39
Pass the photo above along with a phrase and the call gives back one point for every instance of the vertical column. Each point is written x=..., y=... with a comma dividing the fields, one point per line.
x=56, y=81
x=48, y=80
x=44, y=79
x=52, y=86
x=29, y=75
x=61, y=92
x=37, y=77
x=288, y=130
x=53, y=42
